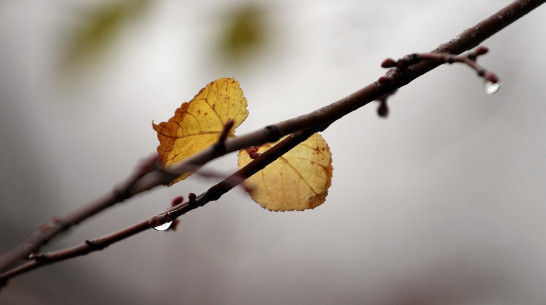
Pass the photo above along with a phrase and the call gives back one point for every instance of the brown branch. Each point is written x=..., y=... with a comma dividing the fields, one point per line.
x=180, y=208
x=58, y=224
x=323, y=117
x=401, y=65
x=470, y=59
x=48, y=231
x=316, y=120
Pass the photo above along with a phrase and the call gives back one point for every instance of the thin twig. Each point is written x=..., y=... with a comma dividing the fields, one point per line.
x=401, y=65
x=59, y=224
x=170, y=215
x=470, y=59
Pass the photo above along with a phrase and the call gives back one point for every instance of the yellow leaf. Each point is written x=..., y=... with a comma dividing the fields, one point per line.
x=199, y=123
x=298, y=180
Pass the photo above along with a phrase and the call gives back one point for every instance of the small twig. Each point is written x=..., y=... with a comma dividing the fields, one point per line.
x=170, y=215
x=400, y=67
x=59, y=224
x=470, y=59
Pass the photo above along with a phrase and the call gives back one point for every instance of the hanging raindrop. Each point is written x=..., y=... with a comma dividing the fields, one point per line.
x=491, y=88
x=164, y=226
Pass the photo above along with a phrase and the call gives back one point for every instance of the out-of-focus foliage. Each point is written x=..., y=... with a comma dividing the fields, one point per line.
x=244, y=32
x=99, y=28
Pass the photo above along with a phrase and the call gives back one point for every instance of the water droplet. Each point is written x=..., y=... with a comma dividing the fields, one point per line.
x=491, y=88
x=164, y=226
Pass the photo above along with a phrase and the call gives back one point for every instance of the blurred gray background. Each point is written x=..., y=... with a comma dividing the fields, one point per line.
x=441, y=203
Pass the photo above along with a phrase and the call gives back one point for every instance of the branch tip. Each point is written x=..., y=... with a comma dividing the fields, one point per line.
x=177, y=200
x=469, y=59
x=383, y=109
x=388, y=63
x=491, y=77
x=481, y=50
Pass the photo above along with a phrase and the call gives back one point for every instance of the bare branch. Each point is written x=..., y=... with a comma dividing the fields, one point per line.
x=401, y=65
x=180, y=208
x=470, y=59
x=46, y=232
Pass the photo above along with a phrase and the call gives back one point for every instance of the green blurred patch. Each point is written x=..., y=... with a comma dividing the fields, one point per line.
x=244, y=32
x=98, y=30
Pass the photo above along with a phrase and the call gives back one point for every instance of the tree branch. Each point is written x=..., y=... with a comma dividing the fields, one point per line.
x=320, y=119
x=325, y=116
x=212, y=194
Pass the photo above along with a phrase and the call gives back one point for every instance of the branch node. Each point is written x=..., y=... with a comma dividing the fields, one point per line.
x=402, y=65
x=37, y=257
x=252, y=152
x=219, y=147
x=94, y=245
x=274, y=133
x=192, y=197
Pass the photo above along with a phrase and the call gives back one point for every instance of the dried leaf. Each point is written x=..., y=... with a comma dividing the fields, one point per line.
x=298, y=180
x=199, y=123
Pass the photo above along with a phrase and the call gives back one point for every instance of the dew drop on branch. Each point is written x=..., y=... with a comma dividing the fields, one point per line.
x=164, y=226
x=491, y=87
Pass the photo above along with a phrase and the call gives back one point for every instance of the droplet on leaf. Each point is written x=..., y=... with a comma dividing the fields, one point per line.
x=164, y=226
x=296, y=181
x=199, y=123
